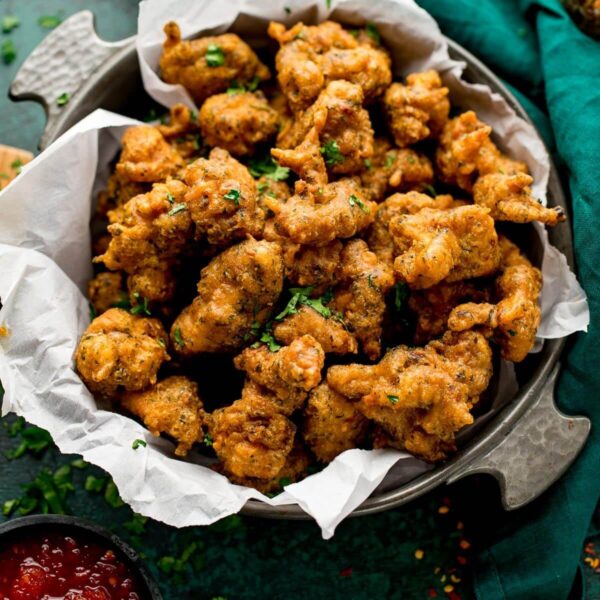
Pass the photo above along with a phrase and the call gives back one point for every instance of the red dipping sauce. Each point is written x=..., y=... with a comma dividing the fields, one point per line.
x=59, y=567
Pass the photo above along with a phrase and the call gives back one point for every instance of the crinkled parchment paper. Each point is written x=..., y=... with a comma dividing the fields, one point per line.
x=45, y=264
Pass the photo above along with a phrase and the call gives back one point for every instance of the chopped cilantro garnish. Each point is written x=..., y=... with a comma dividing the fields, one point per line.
x=111, y=495
x=207, y=440
x=356, y=201
x=353, y=32
x=123, y=302
x=267, y=167
x=284, y=481
x=233, y=196
x=400, y=295
x=177, y=337
x=372, y=32
x=512, y=332
x=177, y=208
x=370, y=280
x=254, y=331
x=262, y=186
x=33, y=439
x=170, y=197
x=288, y=10
x=393, y=399
x=332, y=154
x=9, y=506
x=235, y=88
x=368, y=164
x=49, y=21
x=137, y=443
x=390, y=159
x=175, y=566
x=328, y=4
x=10, y=22
x=93, y=314
x=430, y=190
x=79, y=463
x=141, y=308
x=17, y=165
x=254, y=83
x=268, y=339
x=63, y=99
x=214, y=56
x=9, y=52
x=302, y=296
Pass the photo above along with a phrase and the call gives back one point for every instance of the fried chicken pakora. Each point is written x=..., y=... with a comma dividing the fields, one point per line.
x=239, y=287
x=120, y=350
x=420, y=396
x=171, y=406
x=208, y=65
x=308, y=210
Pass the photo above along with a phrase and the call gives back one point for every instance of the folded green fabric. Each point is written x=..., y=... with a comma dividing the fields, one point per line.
x=534, y=552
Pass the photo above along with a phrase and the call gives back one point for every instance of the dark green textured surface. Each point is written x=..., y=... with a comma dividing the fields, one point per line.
x=371, y=557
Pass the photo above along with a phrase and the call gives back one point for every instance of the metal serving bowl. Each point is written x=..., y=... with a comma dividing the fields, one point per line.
x=16, y=529
x=526, y=445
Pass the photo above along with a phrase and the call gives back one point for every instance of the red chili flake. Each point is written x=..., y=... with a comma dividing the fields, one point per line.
x=432, y=593
x=461, y=560
x=347, y=572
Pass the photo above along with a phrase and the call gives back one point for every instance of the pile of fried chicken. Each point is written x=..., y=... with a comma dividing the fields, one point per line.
x=362, y=307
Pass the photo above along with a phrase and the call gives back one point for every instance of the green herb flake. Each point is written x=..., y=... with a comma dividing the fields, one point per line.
x=254, y=331
x=411, y=159
x=512, y=332
x=271, y=343
x=9, y=506
x=9, y=52
x=370, y=281
x=262, y=186
x=136, y=525
x=4, y=176
x=13, y=429
x=111, y=495
x=284, y=481
x=233, y=196
x=214, y=56
x=372, y=32
x=177, y=208
x=193, y=116
x=390, y=159
x=354, y=32
x=332, y=154
x=141, y=308
x=393, y=399
x=137, y=443
x=33, y=440
x=79, y=463
x=123, y=302
x=92, y=312
x=302, y=296
x=49, y=21
x=10, y=22
x=63, y=99
x=207, y=440
x=430, y=190
x=368, y=164
x=288, y=10
x=328, y=4
x=254, y=83
x=235, y=88
x=170, y=197
x=17, y=165
x=177, y=337
x=356, y=201
x=400, y=295
x=94, y=484
x=267, y=167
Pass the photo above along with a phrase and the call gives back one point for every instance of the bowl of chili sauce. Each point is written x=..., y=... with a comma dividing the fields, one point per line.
x=56, y=557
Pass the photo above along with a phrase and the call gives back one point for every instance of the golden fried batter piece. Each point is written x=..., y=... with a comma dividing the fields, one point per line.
x=289, y=373
x=146, y=156
x=120, y=349
x=314, y=266
x=417, y=110
x=433, y=306
x=208, y=65
x=237, y=122
x=509, y=198
x=222, y=199
x=148, y=233
x=312, y=56
x=272, y=193
x=343, y=124
x=182, y=131
x=363, y=281
x=118, y=191
x=319, y=212
x=329, y=332
x=251, y=439
x=105, y=290
x=436, y=245
x=172, y=406
x=331, y=424
x=379, y=237
x=515, y=319
x=393, y=169
x=420, y=396
x=237, y=288
x=465, y=151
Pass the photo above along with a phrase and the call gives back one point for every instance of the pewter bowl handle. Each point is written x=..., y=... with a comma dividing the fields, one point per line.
x=538, y=450
x=60, y=64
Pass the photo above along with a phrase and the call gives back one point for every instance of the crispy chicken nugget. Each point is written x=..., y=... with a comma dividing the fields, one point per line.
x=172, y=406
x=420, y=396
x=208, y=65
x=120, y=349
x=222, y=199
x=329, y=332
x=312, y=56
x=465, y=151
x=417, y=110
x=363, y=282
x=289, y=373
x=314, y=266
x=509, y=198
x=331, y=423
x=436, y=245
x=237, y=288
x=237, y=122
x=344, y=126
x=251, y=439
x=146, y=156
x=515, y=319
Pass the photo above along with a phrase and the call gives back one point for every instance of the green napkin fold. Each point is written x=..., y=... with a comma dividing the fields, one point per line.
x=533, y=44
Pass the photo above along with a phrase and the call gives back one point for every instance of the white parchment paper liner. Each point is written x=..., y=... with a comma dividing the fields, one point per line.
x=45, y=264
